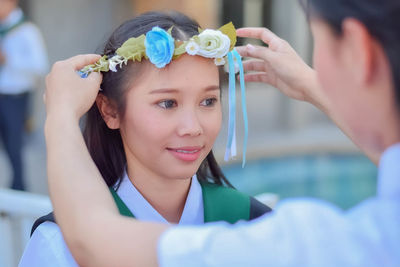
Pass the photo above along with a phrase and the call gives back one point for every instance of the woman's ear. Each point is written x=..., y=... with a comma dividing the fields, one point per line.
x=108, y=111
x=360, y=50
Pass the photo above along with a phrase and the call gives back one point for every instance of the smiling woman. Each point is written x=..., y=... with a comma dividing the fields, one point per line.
x=152, y=129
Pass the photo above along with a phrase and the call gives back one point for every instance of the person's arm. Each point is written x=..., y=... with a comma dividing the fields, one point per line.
x=2, y=58
x=280, y=66
x=92, y=227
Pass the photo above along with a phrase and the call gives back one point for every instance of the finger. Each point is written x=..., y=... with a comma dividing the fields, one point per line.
x=258, y=33
x=80, y=61
x=254, y=51
x=254, y=65
x=241, y=50
x=261, y=77
x=96, y=77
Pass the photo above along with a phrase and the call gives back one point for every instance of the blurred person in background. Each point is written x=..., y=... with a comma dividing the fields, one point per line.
x=356, y=82
x=23, y=60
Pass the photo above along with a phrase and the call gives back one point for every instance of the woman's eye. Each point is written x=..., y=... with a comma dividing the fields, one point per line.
x=209, y=102
x=167, y=104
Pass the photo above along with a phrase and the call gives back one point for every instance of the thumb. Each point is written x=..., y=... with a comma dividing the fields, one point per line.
x=81, y=61
x=95, y=77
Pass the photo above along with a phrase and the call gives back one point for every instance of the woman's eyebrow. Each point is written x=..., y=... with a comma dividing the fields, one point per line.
x=212, y=88
x=173, y=90
x=164, y=91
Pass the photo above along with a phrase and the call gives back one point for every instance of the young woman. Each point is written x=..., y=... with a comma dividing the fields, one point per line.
x=151, y=131
x=357, y=65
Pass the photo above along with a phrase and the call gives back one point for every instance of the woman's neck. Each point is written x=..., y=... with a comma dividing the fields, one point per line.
x=166, y=196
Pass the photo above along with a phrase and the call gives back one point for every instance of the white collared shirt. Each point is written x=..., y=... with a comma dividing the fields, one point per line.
x=47, y=247
x=25, y=53
x=302, y=232
x=193, y=212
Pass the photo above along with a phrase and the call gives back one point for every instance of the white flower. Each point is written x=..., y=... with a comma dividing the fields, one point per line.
x=235, y=65
x=112, y=65
x=192, y=48
x=219, y=61
x=115, y=61
x=213, y=44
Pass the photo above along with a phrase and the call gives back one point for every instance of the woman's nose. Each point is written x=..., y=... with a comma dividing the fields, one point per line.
x=189, y=124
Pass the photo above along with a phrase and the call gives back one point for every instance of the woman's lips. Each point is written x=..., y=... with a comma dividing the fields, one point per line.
x=186, y=153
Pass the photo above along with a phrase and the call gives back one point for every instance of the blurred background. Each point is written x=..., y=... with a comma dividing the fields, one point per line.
x=293, y=149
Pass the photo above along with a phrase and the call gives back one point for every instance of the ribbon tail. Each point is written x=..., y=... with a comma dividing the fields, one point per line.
x=244, y=106
x=231, y=144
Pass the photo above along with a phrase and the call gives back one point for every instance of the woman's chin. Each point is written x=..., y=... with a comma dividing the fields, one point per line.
x=182, y=172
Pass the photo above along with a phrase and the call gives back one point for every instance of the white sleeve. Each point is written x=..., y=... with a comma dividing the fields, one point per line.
x=298, y=233
x=47, y=248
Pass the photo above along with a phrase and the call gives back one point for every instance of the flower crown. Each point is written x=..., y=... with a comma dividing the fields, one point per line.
x=160, y=48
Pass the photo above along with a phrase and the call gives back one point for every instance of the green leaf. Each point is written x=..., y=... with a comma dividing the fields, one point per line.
x=170, y=30
x=133, y=48
x=230, y=31
x=179, y=49
x=99, y=65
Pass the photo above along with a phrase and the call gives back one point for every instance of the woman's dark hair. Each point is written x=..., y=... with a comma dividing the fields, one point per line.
x=105, y=144
x=381, y=18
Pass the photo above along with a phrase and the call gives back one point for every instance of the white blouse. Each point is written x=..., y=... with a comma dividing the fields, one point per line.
x=48, y=248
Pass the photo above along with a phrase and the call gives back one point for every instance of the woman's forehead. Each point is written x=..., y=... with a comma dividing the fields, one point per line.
x=182, y=74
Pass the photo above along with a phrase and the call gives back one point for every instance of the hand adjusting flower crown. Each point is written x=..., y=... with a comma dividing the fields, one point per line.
x=160, y=48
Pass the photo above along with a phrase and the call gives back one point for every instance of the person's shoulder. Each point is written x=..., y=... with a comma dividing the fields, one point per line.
x=27, y=30
x=47, y=247
x=48, y=230
x=28, y=25
x=46, y=218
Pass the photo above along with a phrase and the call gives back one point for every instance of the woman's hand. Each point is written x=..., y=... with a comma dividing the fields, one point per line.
x=67, y=94
x=278, y=65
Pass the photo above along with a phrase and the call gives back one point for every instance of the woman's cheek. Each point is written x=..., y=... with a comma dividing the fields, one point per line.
x=213, y=124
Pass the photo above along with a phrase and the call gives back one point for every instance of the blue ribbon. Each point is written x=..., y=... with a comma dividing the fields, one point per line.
x=244, y=107
x=83, y=74
x=229, y=152
x=231, y=144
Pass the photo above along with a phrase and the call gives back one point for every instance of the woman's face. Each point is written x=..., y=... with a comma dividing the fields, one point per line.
x=172, y=117
x=327, y=58
x=353, y=72
x=6, y=6
x=337, y=72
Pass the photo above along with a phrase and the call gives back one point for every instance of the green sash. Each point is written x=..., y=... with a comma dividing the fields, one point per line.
x=4, y=31
x=123, y=209
x=220, y=204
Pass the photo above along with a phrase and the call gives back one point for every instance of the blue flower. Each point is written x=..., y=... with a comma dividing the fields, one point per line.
x=160, y=47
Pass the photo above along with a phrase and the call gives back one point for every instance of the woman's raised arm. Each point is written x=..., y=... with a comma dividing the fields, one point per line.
x=100, y=237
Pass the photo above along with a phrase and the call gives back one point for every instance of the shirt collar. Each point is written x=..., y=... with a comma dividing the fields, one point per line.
x=389, y=172
x=13, y=18
x=193, y=212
